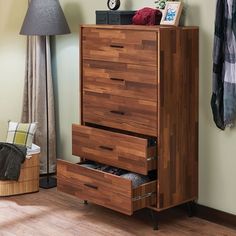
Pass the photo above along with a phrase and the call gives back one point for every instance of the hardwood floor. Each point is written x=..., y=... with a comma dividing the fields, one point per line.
x=52, y=213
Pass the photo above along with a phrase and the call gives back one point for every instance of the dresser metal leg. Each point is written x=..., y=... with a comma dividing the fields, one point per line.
x=154, y=216
x=190, y=208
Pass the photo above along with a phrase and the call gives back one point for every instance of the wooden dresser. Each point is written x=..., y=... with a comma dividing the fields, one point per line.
x=139, y=112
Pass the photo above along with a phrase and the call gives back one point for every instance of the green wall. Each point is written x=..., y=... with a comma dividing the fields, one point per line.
x=217, y=149
x=12, y=62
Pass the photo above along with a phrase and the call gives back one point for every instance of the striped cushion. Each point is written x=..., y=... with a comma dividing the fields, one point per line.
x=21, y=133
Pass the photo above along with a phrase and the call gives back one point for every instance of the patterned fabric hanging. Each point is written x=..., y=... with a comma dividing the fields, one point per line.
x=223, y=101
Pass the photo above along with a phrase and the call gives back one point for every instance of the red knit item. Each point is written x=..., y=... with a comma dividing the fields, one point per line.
x=147, y=16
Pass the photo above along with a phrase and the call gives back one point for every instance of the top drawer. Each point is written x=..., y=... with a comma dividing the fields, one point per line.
x=127, y=46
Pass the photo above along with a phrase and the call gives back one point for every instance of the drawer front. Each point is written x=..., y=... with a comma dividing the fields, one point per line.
x=115, y=149
x=135, y=115
x=104, y=189
x=128, y=46
x=122, y=79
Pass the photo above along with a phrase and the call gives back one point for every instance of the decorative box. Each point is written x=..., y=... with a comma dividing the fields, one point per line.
x=114, y=17
x=101, y=17
x=121, y=17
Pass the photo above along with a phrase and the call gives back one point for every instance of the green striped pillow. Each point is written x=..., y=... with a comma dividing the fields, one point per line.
x=21, y=133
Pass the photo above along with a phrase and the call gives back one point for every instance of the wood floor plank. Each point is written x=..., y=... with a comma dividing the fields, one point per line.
x=51, y=213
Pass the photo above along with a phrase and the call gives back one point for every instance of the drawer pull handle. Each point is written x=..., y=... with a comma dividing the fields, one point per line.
x=118, y=112
x=106, y=148
x=151, y=159
x=117, y=79
x=91, y=186
x=116, y=46
x=142, y=197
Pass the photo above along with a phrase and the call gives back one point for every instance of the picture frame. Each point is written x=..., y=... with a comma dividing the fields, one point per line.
x=171, y=14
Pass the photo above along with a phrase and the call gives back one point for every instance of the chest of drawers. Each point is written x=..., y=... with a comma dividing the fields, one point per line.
x=139, y=112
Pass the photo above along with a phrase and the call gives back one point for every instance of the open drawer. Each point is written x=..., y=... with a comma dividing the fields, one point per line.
x=115, y=149
x=104, y=189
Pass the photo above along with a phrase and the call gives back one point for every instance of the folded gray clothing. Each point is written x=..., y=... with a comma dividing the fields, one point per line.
x=113, y=170
x=88, y=165
x=11, y=158
x=104, y=168
x=136, y=179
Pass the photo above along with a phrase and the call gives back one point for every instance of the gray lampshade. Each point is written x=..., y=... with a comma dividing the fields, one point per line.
x=44, y=17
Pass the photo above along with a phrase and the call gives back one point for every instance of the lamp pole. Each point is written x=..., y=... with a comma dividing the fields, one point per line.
x=49, y=181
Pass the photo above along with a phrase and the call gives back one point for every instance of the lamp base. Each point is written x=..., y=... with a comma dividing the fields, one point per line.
x=47, y=182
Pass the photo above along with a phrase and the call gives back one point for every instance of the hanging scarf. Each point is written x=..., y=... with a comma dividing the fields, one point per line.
x=223, y=101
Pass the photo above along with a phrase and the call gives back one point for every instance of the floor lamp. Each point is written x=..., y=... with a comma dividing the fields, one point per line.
x=45, y=18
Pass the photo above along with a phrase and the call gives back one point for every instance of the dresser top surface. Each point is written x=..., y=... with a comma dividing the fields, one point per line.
x=138, y=27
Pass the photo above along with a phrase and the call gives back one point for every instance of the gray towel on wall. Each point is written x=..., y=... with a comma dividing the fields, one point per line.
x=223, y=101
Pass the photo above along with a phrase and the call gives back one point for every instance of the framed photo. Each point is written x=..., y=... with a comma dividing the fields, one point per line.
x=171, y=13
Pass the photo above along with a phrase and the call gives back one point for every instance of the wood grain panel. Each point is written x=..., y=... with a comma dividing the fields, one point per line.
x=145, y=195
x=142, y=28
x=32, y=161
x=135, y=115
x=120, y=46
x=19, y=188
x=105, y=189
x=178, y=117
x=120, y=150
x=101, y=188
x=122, y=79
